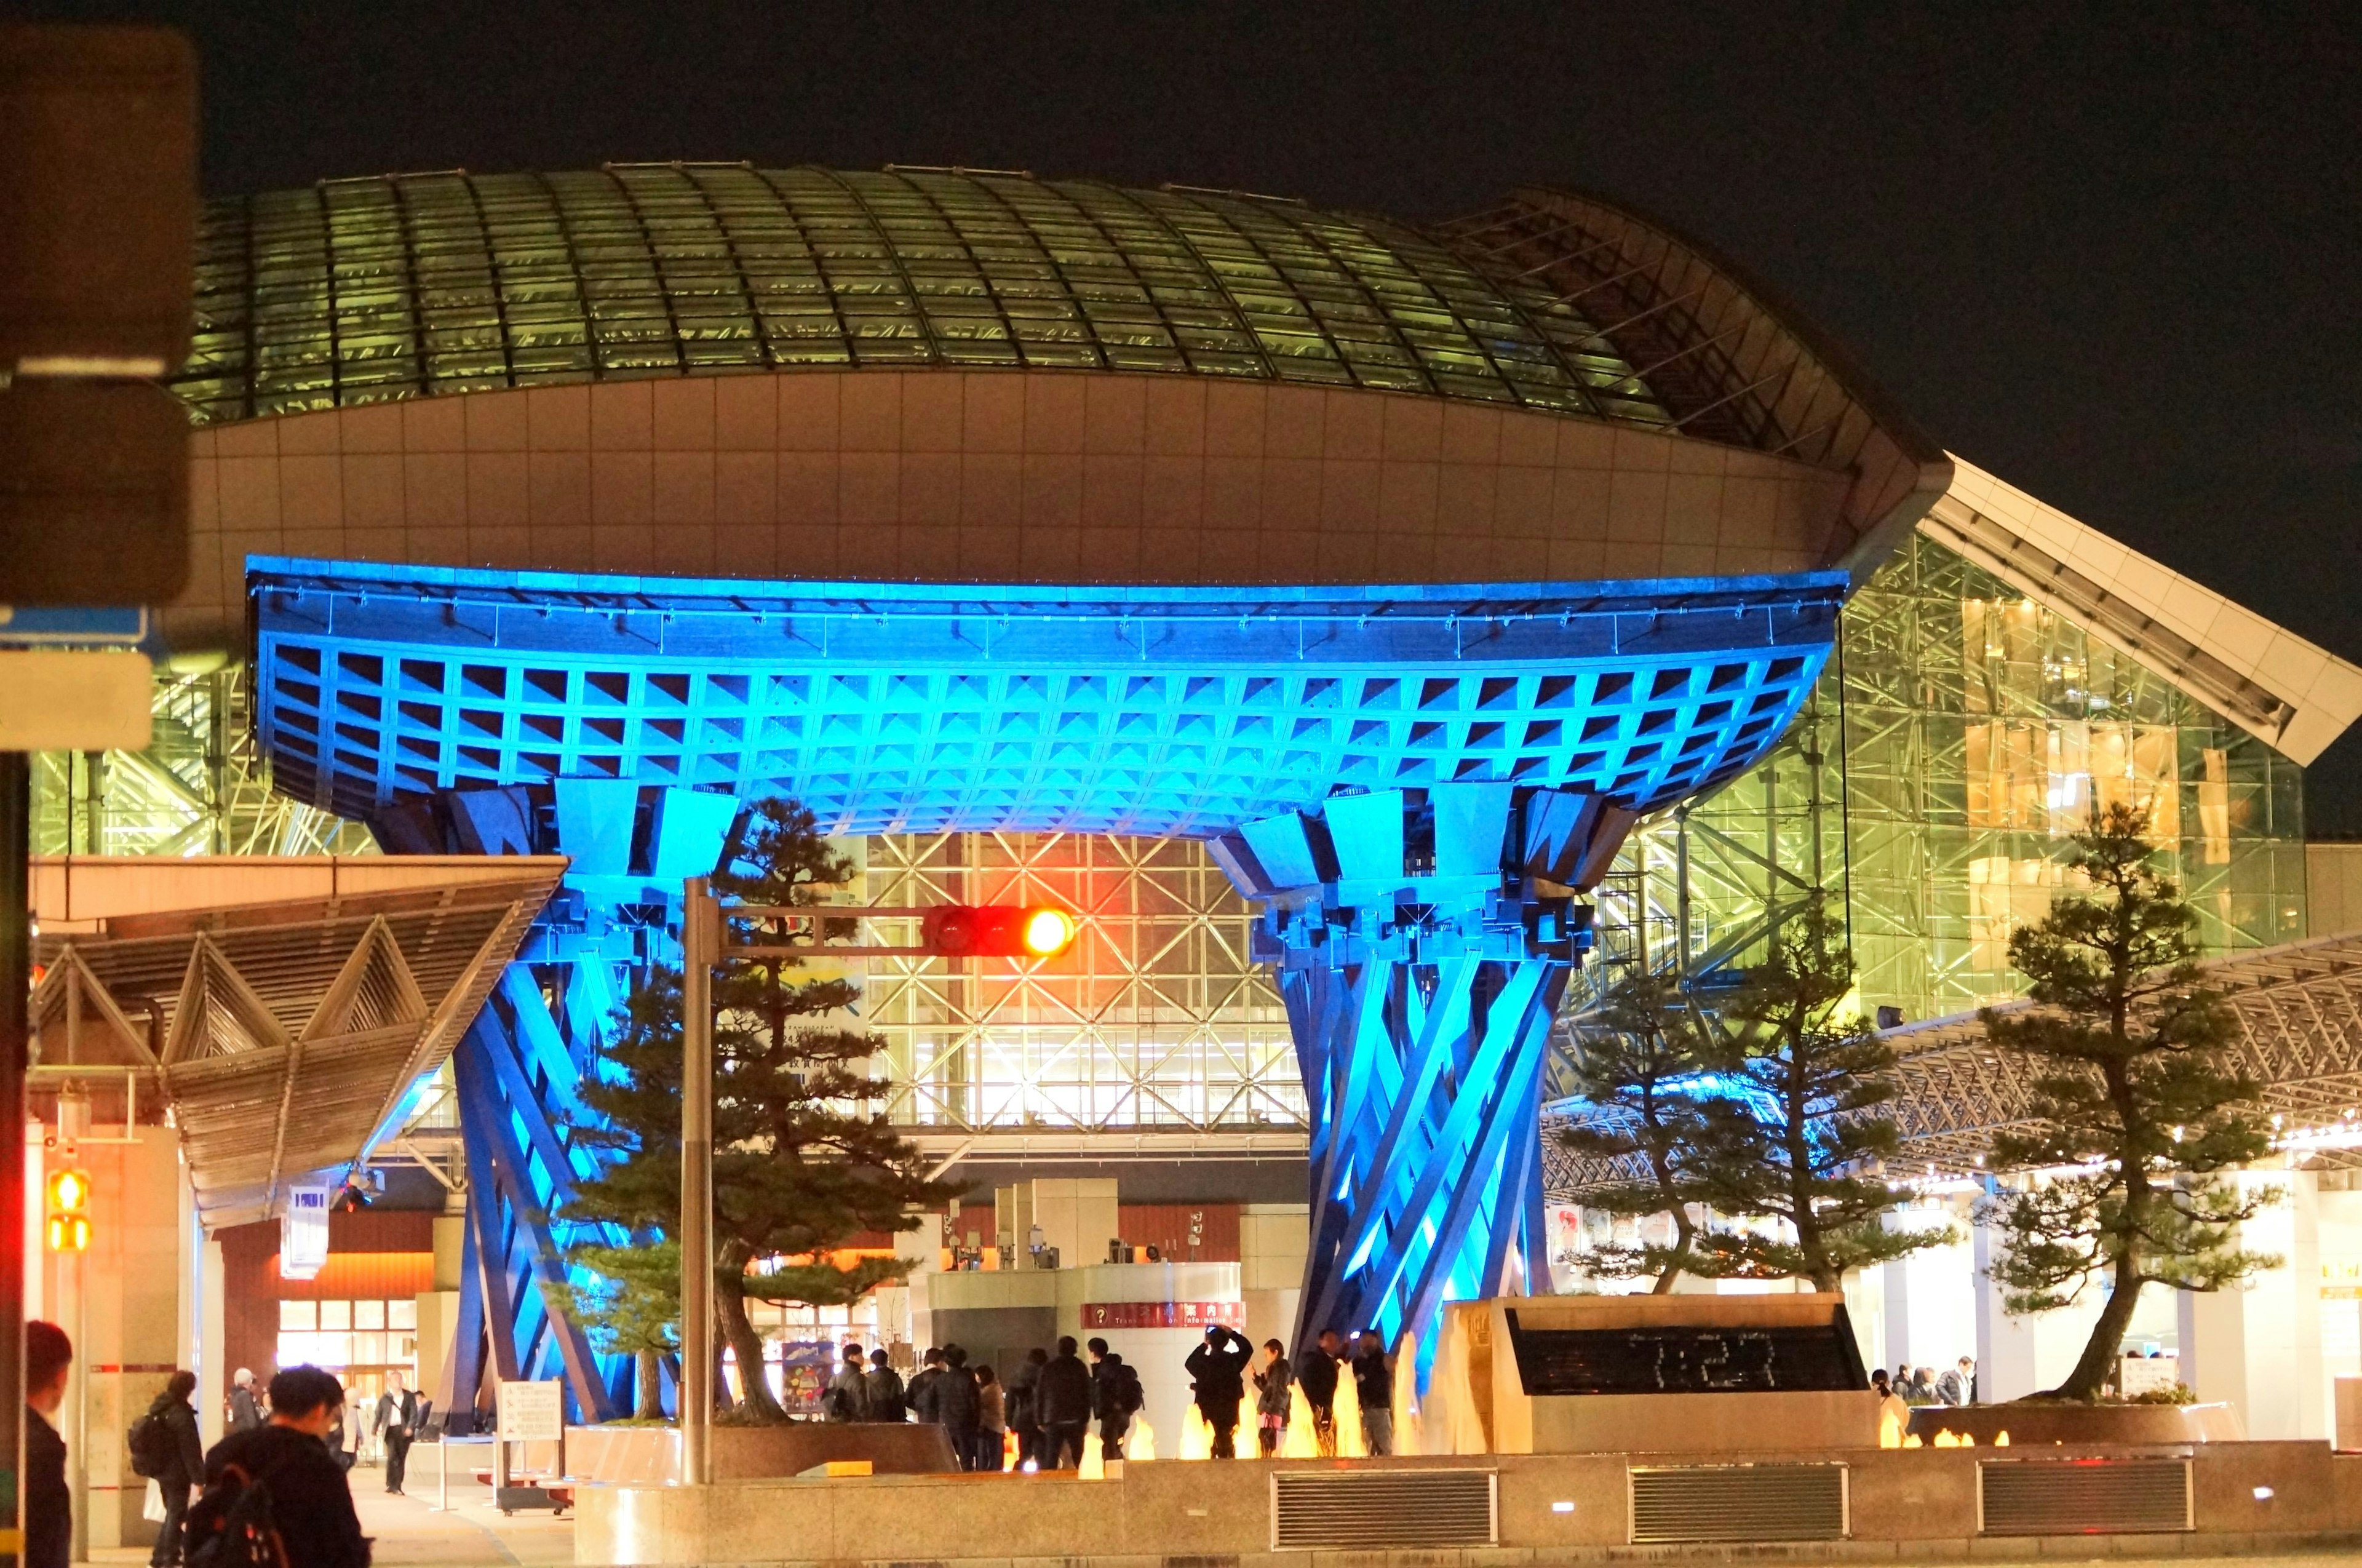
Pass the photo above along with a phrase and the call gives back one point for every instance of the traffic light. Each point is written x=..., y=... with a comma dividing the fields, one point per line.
x=997, y=931
x=68, y=1211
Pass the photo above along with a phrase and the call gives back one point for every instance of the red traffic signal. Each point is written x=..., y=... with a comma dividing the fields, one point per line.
x=997, y=931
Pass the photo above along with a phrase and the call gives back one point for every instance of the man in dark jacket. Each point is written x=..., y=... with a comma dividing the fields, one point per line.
x=882, y=1386
x=397, y=1423
x=1063, y=1399
x=1024, y=1412
x=49, y=1506
x=956, y=1406
x=923, y=1385
x=1316, y=1373
x=1218, y=1371
x=1116, y=1397
x=310, y=1503
x=186, y=1462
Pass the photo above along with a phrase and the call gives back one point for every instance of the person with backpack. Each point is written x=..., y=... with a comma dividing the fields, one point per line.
x=165, y=1448
x=273, y=1495
x=883, y=1387
x=1063, y=1401
x=1116, y=1397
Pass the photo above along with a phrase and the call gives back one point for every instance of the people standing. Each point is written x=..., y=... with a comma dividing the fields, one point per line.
x=1923, y=1387
x=49, y=1505
x=1316, y=1373
x=179, y=1461
x=1025, y=1406
x=957, y=1406
x=846, y=1398
x=310, y=1506
x=923, y=1385
x=991, y=1423
x=1892, y=1409
x=245, y=1409
x=397, y=1423
x=1374, y=1381
x=1273, y=1398
x=1218, y=1371
x=1064, y=1397
x=1954, y=1386
x=1117, y=1397
x=882, y=1389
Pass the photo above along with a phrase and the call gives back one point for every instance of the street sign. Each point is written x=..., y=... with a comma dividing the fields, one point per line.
x=71, y=625
x=98, y=198
x=304, y=1232
x=51, y=699
x=531, y=1412
x=93, y=492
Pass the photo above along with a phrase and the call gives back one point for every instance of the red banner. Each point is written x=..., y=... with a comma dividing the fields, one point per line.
x=1164, y=1314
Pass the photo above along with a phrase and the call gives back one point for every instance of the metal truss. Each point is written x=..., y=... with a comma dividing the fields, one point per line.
x=1423, y=940
x=202, y=787
x=1158, y=1019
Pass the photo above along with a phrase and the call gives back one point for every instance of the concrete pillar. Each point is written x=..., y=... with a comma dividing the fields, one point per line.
x=1929, y=1297
x=212, y=1345
x=2021, y=1356
x=2257, y=1346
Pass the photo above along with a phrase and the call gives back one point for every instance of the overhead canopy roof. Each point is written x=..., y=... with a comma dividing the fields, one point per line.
x=2294, y=696
x=283, y=1034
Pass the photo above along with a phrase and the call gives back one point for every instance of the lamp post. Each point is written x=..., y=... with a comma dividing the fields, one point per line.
x=701, y=941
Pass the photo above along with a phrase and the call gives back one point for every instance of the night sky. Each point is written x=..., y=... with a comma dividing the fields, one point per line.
x=2109, y=255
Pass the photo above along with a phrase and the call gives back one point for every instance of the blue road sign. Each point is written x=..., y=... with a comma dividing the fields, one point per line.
x=71, y=625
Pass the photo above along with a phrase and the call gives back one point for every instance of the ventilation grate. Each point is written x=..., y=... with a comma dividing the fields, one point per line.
x=1372, y=1509
x=1739, y=1502
x=2083, y=1496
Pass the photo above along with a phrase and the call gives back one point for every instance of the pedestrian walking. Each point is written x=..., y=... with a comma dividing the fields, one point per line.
x=1025, y=1406
x=1218, y=1373
x=397, y=1423
x=1116, y=1399
x=49, y=1506
x=1063, y=1394
x=882, y=1389
x=245, y=1407
x=1374, y=1381
x=957, y=1406
x=1953, y=1385
x=165, y=1448
x=278, y=1479
x=1273, y=1398
x=847, y=1397
x=991, y=1423
x=1316, y=1373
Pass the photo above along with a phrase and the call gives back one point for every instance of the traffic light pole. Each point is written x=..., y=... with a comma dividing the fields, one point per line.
x=16, y=983
x=701, y=939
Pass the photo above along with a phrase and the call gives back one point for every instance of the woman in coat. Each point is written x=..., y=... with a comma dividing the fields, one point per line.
x=1273, y=1398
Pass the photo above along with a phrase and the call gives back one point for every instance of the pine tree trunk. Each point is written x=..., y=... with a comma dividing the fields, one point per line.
x=1684, y=1233
x=738, y=1332
x=648, y=1387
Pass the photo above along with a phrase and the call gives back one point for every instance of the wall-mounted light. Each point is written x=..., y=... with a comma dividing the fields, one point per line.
x=1561, y=1507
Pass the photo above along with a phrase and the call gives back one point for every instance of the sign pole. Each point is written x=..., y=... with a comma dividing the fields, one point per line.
x=16, y=983
x=700, y=933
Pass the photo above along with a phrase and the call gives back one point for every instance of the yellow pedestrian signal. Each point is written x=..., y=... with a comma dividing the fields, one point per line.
x=68, y=1211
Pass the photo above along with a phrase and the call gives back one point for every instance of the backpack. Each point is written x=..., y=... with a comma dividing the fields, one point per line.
x=150, y=1438
x=231, y=1525
x=1127, y=1395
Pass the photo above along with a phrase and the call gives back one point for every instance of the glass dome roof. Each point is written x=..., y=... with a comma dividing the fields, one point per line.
x=360, y=291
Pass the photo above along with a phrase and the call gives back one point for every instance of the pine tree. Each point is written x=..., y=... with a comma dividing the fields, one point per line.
x=2136, y=1096
x=1794, y=1133
x=631, y=1306
x=1640, y=1071
x=800, y=1168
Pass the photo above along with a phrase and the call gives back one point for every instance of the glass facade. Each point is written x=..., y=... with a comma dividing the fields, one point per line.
x=360, y=291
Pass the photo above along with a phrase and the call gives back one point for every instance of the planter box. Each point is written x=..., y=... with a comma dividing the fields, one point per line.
x=651, y=1455
x=2029, y=1421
